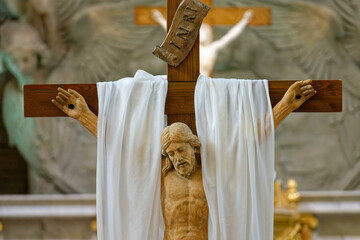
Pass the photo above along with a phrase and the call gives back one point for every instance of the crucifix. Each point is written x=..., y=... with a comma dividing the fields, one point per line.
x=217, y=16
x=179, y=108
x=182, y=79
x=238, y=17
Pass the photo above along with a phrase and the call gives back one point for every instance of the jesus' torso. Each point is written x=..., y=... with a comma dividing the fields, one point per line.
x=184, y=207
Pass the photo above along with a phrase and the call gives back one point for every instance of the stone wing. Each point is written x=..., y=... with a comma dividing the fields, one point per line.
x=103, y=39
x=349, y=12
x=312, y=33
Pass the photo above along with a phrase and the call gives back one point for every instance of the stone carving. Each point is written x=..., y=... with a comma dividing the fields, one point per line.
x=68, y=42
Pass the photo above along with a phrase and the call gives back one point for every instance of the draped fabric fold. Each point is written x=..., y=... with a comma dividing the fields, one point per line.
x=235, y=127
x=130, y=121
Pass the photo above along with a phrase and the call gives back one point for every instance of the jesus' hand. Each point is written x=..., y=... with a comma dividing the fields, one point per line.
x=294, y=97
x=71, y=103
x=74, y=105
x=298, y=93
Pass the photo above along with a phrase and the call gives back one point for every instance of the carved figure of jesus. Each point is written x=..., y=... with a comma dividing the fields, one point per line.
x=184, y=208
x=209, y=49
x=183, y=199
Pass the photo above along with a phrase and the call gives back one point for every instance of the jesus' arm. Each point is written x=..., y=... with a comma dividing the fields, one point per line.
x=159, y=18
x=74, y=105
x=294, y=97
x=234, y=32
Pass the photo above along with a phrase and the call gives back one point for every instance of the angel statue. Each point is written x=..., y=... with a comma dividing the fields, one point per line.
x=209, y=49
x=325, y=46
x=68, y=42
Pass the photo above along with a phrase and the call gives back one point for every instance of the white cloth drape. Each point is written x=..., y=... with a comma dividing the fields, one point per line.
x=235, y=127
x=130, y=121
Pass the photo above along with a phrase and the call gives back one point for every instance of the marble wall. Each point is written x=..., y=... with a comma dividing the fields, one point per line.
x=338, y=213
x=48, y=217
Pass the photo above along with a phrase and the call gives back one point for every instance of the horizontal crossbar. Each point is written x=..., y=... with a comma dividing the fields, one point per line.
x=180, y=97
x=216, y=16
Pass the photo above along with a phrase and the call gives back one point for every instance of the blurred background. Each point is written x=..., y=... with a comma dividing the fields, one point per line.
x=48, y=165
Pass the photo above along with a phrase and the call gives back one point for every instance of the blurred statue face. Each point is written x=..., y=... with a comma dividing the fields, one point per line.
x=26, y=60
x=23, y=47
x=182, y=156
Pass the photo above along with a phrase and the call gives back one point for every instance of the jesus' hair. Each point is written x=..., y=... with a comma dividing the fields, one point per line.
x=177, y=132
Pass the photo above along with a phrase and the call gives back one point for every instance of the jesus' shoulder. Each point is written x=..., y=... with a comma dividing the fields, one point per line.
x=184, y=206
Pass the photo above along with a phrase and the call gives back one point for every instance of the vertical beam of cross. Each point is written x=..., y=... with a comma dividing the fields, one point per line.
x=187, y=71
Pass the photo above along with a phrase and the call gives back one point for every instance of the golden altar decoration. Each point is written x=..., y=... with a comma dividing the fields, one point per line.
x=289, y=224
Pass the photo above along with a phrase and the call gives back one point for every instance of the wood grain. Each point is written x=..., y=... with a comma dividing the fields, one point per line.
x=327, y=99
x=216, y=15
x=232, y=15
x=182, y=79
x=142, y=15
x=37, y=99
x=189, y=69
x=180, y=98
x=188, y=119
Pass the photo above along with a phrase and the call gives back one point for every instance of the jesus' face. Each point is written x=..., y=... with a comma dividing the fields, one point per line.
x=182, y=156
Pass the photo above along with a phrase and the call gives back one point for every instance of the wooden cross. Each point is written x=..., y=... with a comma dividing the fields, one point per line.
x=217, y=15
x=180, y=97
